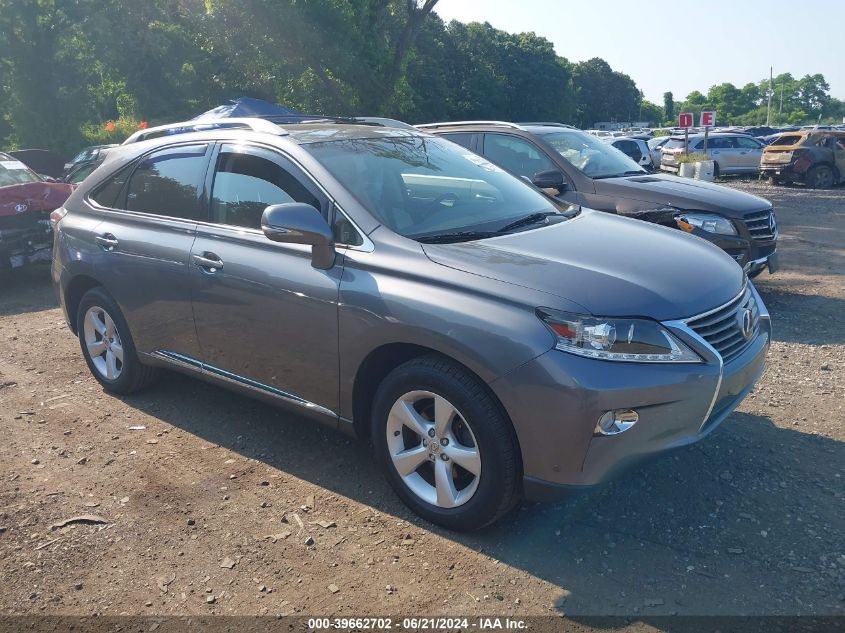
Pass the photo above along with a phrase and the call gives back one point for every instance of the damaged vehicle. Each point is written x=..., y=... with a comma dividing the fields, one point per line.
x=815, y=158
x=580, y=169
x=26, y=201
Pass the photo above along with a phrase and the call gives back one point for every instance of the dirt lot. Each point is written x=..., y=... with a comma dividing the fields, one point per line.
x=209, y=507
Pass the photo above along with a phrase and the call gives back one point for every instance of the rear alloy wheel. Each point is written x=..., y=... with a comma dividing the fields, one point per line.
x=102, y=340
x=820, y=177
x=445, y=444
x=107, y=344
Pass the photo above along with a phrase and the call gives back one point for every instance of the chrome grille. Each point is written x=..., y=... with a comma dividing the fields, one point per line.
x=723, y=327
x=761, y=225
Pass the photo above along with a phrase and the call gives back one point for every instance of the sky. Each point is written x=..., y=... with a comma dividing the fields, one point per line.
x=680, y=46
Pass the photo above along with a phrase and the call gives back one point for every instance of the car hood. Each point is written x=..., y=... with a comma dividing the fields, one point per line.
x=683, y=193
x=612, y=266
x=33, y=197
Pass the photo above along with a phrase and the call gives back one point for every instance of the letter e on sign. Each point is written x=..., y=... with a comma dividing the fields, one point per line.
x=685, y=120
x=708, y=119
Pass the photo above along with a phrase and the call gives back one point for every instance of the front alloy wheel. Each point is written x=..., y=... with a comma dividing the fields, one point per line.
x=433, y=449
x=445, y=444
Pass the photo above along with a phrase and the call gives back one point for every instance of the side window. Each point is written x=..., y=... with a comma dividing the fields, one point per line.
x=106, y=195
x=246, y=182
x=747, y=143
x=461, y=138
x=167, y=182
x=516, y=155
x=719, y=143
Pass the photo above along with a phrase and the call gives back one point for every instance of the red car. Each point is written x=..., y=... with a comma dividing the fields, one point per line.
x=26, y=200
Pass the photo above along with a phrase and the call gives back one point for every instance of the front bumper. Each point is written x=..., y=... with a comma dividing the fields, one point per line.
x=556, y=399
x=20, y=247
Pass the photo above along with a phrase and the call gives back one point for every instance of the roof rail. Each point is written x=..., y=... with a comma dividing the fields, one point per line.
x=455, y=123
x=184, y=127
x=549, y=124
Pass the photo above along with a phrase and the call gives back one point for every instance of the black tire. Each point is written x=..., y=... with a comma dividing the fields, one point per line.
x=498, y=487
x=133, y=374
x=820, y=177
x=716, y=171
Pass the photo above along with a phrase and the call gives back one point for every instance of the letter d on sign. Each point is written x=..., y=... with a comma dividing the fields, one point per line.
x=685, y=120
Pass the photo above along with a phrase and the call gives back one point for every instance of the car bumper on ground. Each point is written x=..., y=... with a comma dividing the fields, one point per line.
x=556, y=400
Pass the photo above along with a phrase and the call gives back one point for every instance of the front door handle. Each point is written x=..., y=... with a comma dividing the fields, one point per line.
x=107, y=241
x=208, y=262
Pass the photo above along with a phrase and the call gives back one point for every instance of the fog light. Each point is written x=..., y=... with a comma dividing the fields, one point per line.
x=615, y=422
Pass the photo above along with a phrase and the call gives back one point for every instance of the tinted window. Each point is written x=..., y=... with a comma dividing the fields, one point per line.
x=516, y=155
x=720, y=142
x=167, y=182
x=787, y=139
x=747, y=143
x=461, y=138
x=245, y=183
x=106, y=195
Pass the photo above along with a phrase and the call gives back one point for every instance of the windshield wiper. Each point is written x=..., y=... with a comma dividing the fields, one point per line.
x=624, y=173
x=533, y=218
x=458, y=236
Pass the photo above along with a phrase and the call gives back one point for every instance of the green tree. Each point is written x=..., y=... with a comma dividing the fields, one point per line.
x=668, y=106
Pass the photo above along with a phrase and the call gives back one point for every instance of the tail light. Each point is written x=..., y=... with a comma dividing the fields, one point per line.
x=56, y=216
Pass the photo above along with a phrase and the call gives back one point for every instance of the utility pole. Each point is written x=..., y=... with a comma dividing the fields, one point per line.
x=780, y=108
x=769, y=106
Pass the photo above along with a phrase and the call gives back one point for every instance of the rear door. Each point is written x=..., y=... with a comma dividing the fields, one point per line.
x=145, y=236
x=265, y=317
x=722, y=150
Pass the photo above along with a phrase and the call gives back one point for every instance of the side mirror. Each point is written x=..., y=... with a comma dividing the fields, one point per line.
x=298, y=223
x=551, y=179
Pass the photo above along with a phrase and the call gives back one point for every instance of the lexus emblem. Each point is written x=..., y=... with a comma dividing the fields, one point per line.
x=746, y=323
x=21, y=207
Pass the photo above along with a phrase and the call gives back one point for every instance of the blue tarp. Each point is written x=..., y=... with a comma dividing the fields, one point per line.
x=247, y=106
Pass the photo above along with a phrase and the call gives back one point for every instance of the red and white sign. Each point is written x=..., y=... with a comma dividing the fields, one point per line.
x=685, y=120
x=708, y=119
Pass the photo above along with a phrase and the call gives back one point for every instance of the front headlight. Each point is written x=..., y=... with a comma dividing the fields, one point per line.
x=709, y=222
x=632, y=340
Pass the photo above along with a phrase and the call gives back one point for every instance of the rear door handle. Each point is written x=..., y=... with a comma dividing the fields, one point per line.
x=107, y=241
x=208, y=262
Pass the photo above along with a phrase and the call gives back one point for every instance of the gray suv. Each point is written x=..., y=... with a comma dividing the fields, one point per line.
x=488, y=341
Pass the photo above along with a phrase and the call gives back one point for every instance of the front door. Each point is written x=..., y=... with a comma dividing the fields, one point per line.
x=265, y=317
x=750, y=152
x=839, y=156
x=522, y=158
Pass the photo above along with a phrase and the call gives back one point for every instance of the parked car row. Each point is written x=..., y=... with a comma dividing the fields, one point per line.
x=448, y=293
x=813, y=157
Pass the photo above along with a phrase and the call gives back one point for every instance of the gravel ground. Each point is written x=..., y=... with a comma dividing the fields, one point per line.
x=204, y=502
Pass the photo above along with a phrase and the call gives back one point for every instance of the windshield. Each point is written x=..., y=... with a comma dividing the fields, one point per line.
x=14, y=172
x=657, y=141
x=591, y=156
x=421, y=187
